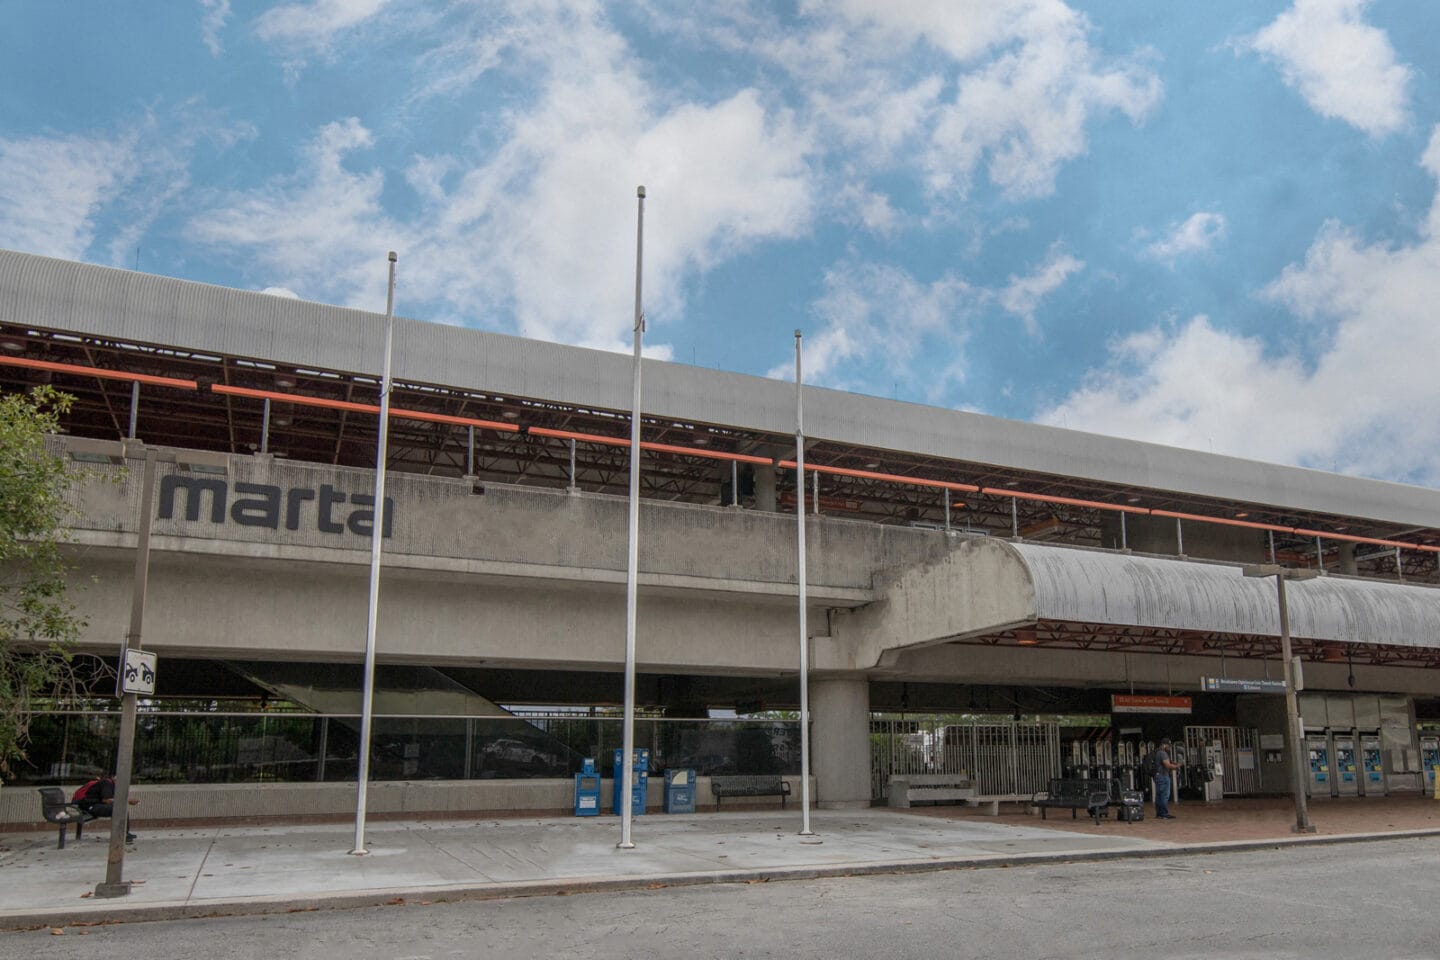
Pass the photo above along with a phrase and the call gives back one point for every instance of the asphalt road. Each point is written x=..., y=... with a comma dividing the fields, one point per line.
x=1371, y=900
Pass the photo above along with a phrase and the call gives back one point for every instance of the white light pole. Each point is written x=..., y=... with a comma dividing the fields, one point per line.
x=801, y=579
x=632, y=569
x=1292, y=704
x=377, y=536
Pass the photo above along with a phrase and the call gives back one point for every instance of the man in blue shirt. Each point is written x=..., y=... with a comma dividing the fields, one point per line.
x=1163, y=766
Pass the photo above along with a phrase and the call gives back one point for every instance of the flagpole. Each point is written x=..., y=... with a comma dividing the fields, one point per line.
x=801, y=578
x=627, y=739
x=377, y=535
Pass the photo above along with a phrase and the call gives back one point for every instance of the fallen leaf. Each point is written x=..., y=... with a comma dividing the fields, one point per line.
x=87, y=894
x=57, y=931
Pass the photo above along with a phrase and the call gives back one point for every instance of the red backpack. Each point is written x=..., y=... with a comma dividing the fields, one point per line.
x=89, y=791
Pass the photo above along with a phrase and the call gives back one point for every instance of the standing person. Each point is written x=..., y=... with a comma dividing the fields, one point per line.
x=1162, y=765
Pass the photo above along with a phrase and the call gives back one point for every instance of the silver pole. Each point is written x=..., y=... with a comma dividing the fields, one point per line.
x=377, y=535
x=574, y=483
x=1292, y=714
x=265, y=428
x=632, y=572
x=947, y=511
x=1124, y=540
x=1014, y=518
x=115, y=885
x=1179, y=539
x=134, y=407
x=804, y=600
x=470, y=451
x=734, y=483
x=1319, y=554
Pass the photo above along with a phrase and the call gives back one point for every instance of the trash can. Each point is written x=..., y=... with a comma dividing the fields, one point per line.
x=587, y=790
x=680, y=791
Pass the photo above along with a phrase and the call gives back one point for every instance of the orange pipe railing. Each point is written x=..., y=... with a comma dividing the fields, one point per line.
x=101, y=372
x=352, y=407
x=420, y=415
x=646, y=445
x=1067, y=501
x=886, y=477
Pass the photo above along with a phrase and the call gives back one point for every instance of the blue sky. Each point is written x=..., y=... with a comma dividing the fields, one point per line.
x=1211, y=225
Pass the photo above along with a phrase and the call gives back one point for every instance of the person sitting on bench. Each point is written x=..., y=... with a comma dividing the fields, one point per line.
x=97, y=798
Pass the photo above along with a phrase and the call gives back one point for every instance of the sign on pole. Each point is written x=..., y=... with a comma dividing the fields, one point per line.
x=137, y=673
x=1227, y=685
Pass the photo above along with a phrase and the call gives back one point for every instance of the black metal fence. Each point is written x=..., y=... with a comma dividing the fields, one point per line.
x=221, y=747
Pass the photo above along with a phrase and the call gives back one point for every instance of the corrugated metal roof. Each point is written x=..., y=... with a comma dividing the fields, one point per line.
x=1092, y=586
x=81, y=298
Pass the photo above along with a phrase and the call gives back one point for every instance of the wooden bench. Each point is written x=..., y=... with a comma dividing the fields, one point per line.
x=907, y=789
x=1092, y=796
x=760, y=785
x=61, y=812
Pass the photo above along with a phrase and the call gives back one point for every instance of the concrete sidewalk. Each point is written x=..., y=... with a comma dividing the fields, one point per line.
x=274, y=869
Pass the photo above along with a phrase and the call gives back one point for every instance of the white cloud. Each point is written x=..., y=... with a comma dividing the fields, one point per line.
x=53, y=188
x=1370, y=328
x=1023, y=295
x=314, y=24
x=1197, y=234
x=216, y=12
x=1026, y=83
x=542, y=227
x=1343, y=67
x=875, y=319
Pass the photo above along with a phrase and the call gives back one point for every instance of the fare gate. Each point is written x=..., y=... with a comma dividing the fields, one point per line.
x=1234, y=765
x=1001, y=759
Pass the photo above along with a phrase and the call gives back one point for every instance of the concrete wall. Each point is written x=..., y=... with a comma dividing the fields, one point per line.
x=515, y=576
x=178, y=803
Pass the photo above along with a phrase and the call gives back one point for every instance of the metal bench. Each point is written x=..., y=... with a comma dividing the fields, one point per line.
x=763, y=785
x=61, y=812
x=911, y=787
x=1092, y=796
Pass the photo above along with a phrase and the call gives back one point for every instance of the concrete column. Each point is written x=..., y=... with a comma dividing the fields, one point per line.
x=764, y=487
x=1347, y=559
x=840, y=743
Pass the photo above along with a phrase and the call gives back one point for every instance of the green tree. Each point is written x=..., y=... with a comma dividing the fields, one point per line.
x=38, y=624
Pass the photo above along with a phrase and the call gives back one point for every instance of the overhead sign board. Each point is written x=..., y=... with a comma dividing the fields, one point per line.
x=1142, y=703
x=1226, y=685
x=137, y=673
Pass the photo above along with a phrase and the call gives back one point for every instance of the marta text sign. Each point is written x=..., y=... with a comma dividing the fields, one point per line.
x=267, y=505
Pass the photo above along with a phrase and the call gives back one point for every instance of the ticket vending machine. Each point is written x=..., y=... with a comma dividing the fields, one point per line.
x=1372, y=766
x=1317, y=749
x=1429, y=760
x=1346, y=782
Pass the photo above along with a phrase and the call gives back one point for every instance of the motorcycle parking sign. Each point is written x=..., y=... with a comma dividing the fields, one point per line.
x=137, y=673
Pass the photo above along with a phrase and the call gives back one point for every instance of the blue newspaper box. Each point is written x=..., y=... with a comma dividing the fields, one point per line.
x=639, y=781
x=679, y=791
x=587, y=790
x=640, y=761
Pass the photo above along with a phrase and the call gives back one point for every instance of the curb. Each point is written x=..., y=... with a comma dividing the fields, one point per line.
x=405, y=896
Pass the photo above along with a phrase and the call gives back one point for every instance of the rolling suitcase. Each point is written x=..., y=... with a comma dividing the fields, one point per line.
x=1132, y=806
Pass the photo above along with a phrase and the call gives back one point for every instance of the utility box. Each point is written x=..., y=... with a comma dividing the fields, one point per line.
x=587, y=790
x=680, y=791
x=639, y=781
